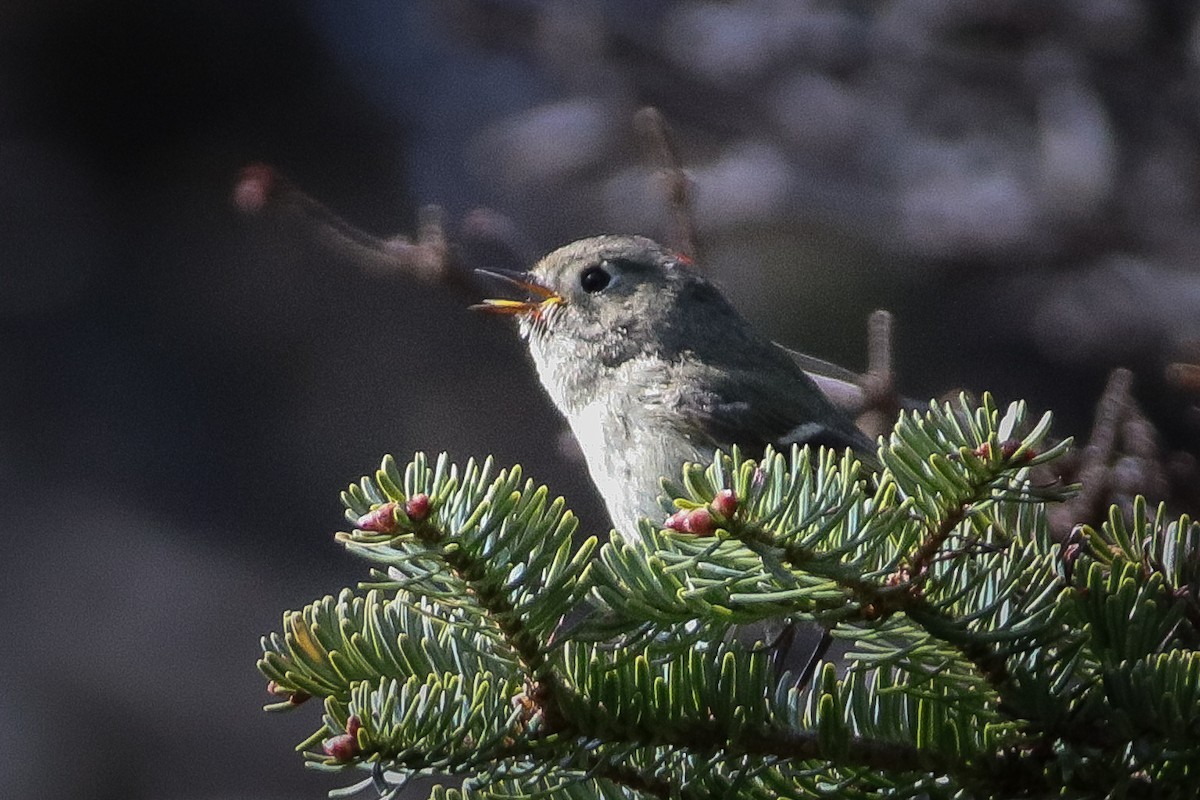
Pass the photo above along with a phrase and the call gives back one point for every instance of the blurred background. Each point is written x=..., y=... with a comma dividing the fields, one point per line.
x=184, y=390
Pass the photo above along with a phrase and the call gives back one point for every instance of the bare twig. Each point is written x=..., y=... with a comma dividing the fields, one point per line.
x=656, y=139
x=880, y=401
x=879, y=347
x=1095, y=472
x=434, y=261
x=262, y=192
x=1185, y=377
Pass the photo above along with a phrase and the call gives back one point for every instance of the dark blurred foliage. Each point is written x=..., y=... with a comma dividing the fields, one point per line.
x=183, y=391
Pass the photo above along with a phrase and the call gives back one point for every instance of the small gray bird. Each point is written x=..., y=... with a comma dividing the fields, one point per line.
x=653, y=367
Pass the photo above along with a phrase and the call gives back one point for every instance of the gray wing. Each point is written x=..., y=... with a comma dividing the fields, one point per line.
x=756, y=408
x=841, y=386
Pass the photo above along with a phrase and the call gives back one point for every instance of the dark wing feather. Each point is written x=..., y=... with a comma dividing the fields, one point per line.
x=753, y=410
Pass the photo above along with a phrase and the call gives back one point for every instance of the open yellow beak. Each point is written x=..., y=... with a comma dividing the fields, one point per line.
x=542, y=298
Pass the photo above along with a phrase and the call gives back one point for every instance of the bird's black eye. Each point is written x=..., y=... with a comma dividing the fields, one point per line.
x=594, y=279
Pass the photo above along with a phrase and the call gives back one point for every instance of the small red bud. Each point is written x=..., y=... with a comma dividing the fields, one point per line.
x=342, y=747
x=254, y=188
x=381, y=520
x=700, y=522
x=294, y=697
x=1009, y=448
x=353, y=724
x=725, y=503
x=677, y=521
x=695, y=520
x=417, y=507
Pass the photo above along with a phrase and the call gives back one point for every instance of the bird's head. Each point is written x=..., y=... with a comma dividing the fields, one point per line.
x=606, y=298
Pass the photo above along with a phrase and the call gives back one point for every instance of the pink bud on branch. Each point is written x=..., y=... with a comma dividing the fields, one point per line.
x=725, y=503
x=380, y=520
x=417, y=507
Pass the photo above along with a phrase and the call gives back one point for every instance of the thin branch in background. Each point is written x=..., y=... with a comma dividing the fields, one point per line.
x=1183, y=468
x=1125, y=457
x=881, y=404
x=429, y=258
x=1094, y=472
x=493, y=240
x=486, y=236
x=656, y=139
x=262, y=192
x=1185, y=377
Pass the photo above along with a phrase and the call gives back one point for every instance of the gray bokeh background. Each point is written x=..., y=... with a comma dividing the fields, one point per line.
x=183, y=391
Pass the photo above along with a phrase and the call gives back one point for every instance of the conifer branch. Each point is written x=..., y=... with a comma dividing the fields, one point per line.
x=1001, y=669
x=495, y=602
x=631, y=778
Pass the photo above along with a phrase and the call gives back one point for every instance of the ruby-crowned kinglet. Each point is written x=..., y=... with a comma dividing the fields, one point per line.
x=653, y=368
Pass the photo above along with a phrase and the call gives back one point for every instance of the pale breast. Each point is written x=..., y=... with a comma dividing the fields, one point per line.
x=630, y=444
x=626, y=421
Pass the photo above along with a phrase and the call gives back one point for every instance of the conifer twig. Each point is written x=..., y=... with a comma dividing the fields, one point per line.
x=631, y=778
x=903, y=595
